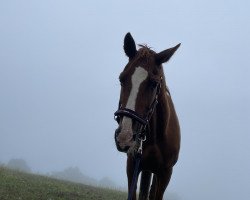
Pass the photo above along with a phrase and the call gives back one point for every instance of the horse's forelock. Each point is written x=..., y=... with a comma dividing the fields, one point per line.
x=145, y=51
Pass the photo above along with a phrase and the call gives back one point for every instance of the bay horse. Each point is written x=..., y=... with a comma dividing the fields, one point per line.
x=147, y=120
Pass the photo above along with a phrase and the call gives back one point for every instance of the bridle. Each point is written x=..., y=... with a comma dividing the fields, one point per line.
x=140, y=136
x=143, y=121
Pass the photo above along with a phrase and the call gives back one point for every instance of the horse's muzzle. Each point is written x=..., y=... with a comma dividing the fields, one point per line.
x=123, y=140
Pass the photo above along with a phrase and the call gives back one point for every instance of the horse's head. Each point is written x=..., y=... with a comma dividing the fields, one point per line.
x=140, y=81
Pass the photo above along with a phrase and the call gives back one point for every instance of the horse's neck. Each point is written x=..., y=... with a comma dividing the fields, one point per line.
x=163, y=108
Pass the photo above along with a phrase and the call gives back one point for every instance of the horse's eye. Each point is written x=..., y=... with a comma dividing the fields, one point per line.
x=121, y=83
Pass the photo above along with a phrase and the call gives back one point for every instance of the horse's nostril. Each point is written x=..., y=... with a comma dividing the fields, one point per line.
x=116, y=134
x=117, y=131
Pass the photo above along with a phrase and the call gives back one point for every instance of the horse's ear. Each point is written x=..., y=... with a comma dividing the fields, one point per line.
x=165, y=55
x=129, y=46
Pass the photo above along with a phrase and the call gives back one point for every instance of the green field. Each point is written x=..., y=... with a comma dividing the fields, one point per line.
x=22, y=186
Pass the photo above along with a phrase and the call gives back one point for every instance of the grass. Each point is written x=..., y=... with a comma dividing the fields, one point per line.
x=16, y=185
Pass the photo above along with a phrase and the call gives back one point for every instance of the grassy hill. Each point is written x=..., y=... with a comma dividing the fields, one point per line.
x=16, y=185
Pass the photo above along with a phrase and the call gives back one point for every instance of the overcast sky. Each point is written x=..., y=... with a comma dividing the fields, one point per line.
x=59, y=67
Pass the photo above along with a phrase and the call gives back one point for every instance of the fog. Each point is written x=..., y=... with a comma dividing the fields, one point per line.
x=59, y=67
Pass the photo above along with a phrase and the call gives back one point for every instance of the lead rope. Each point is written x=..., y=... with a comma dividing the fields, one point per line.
x=136, y=170
x=135, y=176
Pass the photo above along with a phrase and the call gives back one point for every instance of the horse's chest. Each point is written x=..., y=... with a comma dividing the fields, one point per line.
x=152, y=158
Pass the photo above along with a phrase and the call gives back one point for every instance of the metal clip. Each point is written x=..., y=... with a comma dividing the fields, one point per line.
x=141, y=141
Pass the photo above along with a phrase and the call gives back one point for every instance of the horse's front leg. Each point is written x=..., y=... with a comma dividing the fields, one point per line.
x=145, y=184
x=130, y=173
x=153, y=188
x=162, y=183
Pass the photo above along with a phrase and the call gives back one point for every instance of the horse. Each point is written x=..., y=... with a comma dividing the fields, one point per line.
x=147, y=120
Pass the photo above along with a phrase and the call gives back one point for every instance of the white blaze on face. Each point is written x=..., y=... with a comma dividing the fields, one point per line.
x=139, y=75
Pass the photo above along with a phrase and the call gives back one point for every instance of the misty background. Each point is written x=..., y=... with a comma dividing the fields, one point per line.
x=59, y=67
